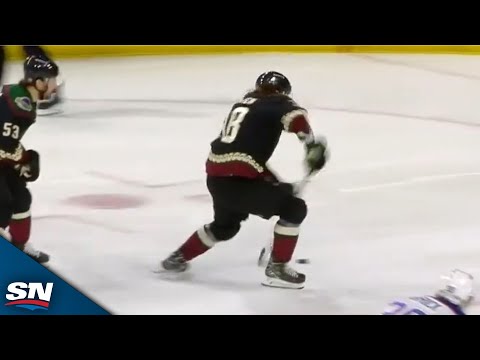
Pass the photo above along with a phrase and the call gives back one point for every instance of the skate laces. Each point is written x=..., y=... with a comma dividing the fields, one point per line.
x=290, y=271
x=287, y=269
x=177, y=257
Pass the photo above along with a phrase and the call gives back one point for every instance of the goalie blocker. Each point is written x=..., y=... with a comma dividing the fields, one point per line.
x=241, y=184
x=454, y=298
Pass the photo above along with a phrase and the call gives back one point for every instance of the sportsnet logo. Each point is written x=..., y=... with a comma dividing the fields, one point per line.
x=35, y=296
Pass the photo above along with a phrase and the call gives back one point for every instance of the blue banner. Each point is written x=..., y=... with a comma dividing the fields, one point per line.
x=29, y=288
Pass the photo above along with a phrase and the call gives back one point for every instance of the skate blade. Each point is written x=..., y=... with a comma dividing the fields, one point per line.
x=49, y=112
x=44, y=263
x=163, y=271
x=172, y=275
x=276, y=283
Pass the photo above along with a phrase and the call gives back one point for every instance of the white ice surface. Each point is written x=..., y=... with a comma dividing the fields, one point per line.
x=397, y=206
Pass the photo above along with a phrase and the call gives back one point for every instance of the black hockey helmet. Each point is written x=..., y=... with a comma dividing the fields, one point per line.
x=273, y=81
x=36, y=67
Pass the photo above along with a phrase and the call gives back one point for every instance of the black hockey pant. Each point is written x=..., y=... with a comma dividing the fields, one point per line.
x=234, y=199
x=15, y=198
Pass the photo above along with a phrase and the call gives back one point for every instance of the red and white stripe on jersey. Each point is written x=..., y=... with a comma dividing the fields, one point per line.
x=296, y=122
x=19, y=155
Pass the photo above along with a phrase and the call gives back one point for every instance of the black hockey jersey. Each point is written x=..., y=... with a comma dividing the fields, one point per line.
x=17, y=114
x=251, y=132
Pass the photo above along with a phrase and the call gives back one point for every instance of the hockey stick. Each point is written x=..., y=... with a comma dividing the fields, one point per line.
x=267, y=249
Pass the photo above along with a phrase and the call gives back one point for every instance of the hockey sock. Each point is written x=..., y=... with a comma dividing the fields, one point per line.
x=284, y=241
x=19, y=228
x=198, y=243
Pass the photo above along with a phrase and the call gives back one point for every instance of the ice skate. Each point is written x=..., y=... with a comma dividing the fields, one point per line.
x=283, y=276
x=38, y=256
x=175, y=263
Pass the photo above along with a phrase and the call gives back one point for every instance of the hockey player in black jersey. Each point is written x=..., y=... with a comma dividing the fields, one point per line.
x=50, y=101
x=241, y=184
x=18, y=166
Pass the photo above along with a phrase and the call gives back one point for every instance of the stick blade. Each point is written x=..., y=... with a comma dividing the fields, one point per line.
x=263, y=258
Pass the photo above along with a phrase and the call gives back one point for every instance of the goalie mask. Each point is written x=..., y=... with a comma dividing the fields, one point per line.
x=458, y=288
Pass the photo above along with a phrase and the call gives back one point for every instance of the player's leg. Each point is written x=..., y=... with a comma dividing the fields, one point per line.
x=292, y=212
x=6, y=202
x=225, y=225
x=267, y=200
x=197, y=244
x=21, y=221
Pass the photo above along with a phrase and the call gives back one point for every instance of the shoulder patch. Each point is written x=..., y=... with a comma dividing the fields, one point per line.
x=24, y=103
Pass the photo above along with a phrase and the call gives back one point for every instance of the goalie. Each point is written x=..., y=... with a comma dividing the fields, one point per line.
x=241, y=184
x=453, y=299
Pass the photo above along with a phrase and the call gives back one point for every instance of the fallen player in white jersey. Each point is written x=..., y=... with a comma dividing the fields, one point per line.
x=453, y=299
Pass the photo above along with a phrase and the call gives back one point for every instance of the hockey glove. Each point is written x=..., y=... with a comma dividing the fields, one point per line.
x=30, y=171
x=317, y=155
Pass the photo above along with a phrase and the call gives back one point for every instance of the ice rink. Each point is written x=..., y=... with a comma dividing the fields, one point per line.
x=122, y=181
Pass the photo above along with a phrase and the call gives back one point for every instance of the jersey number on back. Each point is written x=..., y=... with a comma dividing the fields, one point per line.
x=11, y=130
x=232, y=124
x=400, y=308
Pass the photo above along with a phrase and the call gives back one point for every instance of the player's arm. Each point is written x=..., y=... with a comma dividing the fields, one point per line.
x=11, y=149
x=295, y=120
x=12, y=152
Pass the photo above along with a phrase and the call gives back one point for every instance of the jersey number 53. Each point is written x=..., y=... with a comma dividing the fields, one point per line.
x=11, y=130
